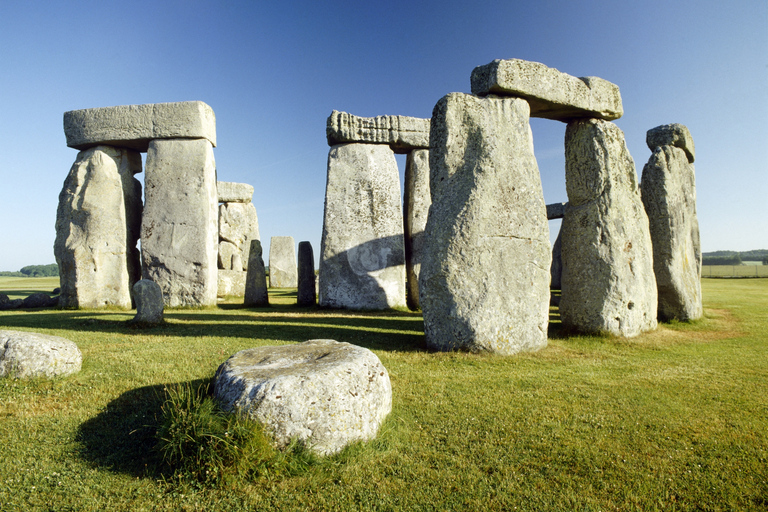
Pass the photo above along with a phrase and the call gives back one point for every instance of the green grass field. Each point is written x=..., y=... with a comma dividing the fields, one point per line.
x=676, y=419
x=750, y=269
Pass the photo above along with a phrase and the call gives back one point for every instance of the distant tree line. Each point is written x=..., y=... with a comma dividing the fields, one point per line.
x=51, y=270
x=734, y=257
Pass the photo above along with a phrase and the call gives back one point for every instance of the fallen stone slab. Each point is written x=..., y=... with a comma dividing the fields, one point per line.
x=324, y=393
x=39, y=300
x=672, y=135
x=552, y=94
x=26, y=355
x=230, y=192
x=133, y=126
x=401, y=133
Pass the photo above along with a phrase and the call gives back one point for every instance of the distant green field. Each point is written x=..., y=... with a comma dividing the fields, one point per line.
x=21, y=287
x=751, y=269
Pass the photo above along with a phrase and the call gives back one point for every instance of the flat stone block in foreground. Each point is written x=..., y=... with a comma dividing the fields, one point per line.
x=324, y=393
x=551, y=93
x=30, y=355
x=401, y=133
x=133, y=126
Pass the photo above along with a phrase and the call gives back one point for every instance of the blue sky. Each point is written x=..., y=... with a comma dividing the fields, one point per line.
x=273, y=73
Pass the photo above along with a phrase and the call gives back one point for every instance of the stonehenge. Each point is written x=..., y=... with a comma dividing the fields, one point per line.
x=238, y=226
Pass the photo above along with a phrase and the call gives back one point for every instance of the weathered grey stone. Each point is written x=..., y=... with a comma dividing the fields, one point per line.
x=306, y=295
x=26, y=355
x=551, y=93
x=283, y=272
x=607, y=276
x=6, y=303
x=484, y=283
x=556, y=268
x=231, y=283
x=672, y=135
x=226, y=251
x=362, y=261
x=401, y=133
x=97, y=229
x=555, y=211
x=39, y=300
x=149, y=303
x=256, y=294
x=179, y=230
x=237, y=262
x=230, y=192
x=238, y=224
x=134, y=126
x=416, y=201
x=669, y=195
x=323, y=393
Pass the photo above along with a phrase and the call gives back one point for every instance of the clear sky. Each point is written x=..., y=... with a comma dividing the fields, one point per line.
x=274, y=71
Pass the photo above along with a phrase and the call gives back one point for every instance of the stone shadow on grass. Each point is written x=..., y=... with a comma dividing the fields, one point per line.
x=121, y=438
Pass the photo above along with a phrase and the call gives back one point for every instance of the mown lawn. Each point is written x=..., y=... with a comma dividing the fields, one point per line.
x=672, y=420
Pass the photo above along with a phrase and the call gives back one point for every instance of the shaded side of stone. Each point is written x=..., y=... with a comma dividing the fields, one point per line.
x=256, y=294
x=607, y=276
x=306, y=295
x=551, y=93
x=149, y=303
x=134, y=126
x=556, y=268
x=179, y=231
x=484, y=283
x=555, y=211
x=362, y=254
x=416, y=201
x=97, y=229
x=283, y=270
x=401, y=133
x=671, y=135
x=30, y=355
x=669, y=197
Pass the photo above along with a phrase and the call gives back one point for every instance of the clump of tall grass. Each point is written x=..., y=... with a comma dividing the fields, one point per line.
x=200, y=442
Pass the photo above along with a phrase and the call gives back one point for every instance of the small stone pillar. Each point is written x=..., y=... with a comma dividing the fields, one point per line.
x=149, y=303
x=256, y=294
x=306, y=292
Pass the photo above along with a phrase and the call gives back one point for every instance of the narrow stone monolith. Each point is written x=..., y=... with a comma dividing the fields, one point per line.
x=283, y=272
x=484, y=283
x=149, y=303
x=306, y=293
x=179, y=230
x=416, y=201
x=97, y=229
x=607, y=276
x=362, y=256
x=256, y=294
x=669, y=195
x=556, y=268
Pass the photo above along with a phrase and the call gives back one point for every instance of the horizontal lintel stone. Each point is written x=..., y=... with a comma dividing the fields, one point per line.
x=551, y=93
x=230, y=192
x=556, y=211
x=401, y=133
x=133, y=126
x=672, y=135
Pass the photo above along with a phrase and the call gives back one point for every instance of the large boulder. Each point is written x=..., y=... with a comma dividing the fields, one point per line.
x=97, y=229
x=607, y=263
x=39, y=300
x=324, y=393
x=484, y=283
x=669, y=195
x=30, y=355
x=362, y=253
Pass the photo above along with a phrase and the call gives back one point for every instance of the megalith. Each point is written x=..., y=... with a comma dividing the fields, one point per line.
x=283, y=272
x=149, y=303
x=484, y=282
x=362, y=256
x=256, y=294
x=668, y=188
x=607, y=273
x=306, y=295
x=179, y=230
x=97, y=229
x=416, y=201
x=238, y=225
x=29, y=355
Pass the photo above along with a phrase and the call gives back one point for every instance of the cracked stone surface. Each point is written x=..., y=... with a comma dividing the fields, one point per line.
x=29, y=355
x=484, y=282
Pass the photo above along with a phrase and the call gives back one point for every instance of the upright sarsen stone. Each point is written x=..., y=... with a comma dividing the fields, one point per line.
x=669, y=195
x=97, y=229
x=362, y=261
x=256, y=294
x=416, y=203
x=484, y=283
x=283, y=272
x=607, y=272
x=306, y=295
x=179, y=231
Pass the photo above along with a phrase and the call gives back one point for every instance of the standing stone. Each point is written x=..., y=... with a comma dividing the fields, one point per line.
x=362, y=261
x=556, y=269
x=256, y=278
x=149, y=303
x=416, y=203
x=306, y=292
x=238, y=225
x=669, y=195
x=282, y=262
x=607, y=276
x=97, y=228
x=484, y=283
x=179, y=231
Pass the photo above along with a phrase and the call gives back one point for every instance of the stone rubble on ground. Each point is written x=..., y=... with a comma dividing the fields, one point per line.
x=25, y=355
